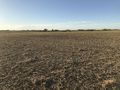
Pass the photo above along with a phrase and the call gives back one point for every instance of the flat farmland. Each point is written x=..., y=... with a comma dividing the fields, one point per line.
x=85, y=60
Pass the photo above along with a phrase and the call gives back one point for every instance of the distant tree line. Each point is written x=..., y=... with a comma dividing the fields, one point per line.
x=57, y=30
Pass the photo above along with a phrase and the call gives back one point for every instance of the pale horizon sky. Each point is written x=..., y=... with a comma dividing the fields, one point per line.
x=59, y=14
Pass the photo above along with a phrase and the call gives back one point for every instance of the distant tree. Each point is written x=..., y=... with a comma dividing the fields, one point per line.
x=106, y=29
x=80, y=30
x=67, y=30
x=45, y=30
x=90, y=30
x=52, y=30
x=55, y=30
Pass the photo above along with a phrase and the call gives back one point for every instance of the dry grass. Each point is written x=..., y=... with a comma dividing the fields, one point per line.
x=60, y=60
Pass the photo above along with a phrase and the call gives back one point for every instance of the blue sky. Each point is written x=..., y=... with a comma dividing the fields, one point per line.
x=59, y=14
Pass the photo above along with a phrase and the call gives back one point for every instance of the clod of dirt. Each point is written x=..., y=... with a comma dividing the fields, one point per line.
x=37, y=82
x=49, y=83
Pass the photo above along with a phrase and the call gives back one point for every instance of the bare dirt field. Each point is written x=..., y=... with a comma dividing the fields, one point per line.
x=85, y=60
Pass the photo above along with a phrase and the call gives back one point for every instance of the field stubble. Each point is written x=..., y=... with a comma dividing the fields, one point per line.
x=60, y=61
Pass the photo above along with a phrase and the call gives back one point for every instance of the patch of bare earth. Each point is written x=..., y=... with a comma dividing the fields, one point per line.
x=60, y=60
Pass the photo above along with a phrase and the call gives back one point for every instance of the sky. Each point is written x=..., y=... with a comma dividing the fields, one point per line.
x=59, y=14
